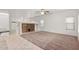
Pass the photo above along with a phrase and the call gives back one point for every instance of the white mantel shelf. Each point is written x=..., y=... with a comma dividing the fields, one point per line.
x=31, y=22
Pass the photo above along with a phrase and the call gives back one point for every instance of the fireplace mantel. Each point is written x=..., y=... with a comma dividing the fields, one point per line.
x=33, y=22
x=27, y=22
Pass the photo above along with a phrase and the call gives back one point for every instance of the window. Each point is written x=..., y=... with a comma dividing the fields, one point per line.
x=70, y=23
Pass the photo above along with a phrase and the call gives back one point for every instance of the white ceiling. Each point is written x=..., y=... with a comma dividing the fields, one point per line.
x=25, y=12
x=29, y=10
x=32, y=12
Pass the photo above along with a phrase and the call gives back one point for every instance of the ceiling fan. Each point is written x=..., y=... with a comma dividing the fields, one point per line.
x=44, y=12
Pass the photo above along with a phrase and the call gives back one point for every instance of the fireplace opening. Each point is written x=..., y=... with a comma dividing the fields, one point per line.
x=29, y=30
x=28, y=27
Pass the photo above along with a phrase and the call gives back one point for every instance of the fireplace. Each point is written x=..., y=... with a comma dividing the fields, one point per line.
x=28, y=27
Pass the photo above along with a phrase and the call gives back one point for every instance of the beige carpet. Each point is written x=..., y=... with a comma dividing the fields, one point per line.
x=3, y=44
x=52, y=41
x=15, y=42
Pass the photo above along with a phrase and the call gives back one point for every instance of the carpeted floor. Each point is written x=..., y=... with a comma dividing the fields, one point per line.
x=3, y=45
x=52, y=41
x=15, y=42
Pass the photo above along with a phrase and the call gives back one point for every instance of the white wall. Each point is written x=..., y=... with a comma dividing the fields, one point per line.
x=38, y=20
x=53, y=22
x=18, y=16
x=78, y=26
x=78, y=23
x=4, y=20
x=56, y=22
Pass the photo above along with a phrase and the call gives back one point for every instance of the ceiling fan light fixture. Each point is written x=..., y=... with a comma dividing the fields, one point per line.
x=42, y=12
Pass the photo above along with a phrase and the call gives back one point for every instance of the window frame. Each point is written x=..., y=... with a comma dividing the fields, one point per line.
x=70, y=23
